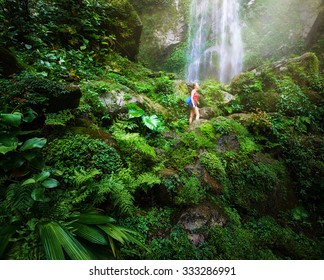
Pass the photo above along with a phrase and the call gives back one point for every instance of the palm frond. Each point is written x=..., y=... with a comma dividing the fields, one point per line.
x=114, y=232
x=90, y=233
x=57, y=240
x=50, y=240
x=93, y=218
x=113, y=247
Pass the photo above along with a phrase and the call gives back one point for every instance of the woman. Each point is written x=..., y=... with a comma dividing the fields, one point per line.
x=194, y=110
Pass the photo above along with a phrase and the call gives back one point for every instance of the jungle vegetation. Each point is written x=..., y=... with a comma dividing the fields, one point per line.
x=97, y=160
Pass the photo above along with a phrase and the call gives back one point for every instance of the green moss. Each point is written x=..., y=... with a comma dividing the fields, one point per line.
x=223, y=126
x=214, y=166
x=190, y=192
x=183, y=156
x=247, y=145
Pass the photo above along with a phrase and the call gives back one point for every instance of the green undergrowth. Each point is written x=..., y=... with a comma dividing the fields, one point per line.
x=111, y=179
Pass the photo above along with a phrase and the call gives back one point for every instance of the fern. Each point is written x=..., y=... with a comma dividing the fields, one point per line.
x=120, y=196
x=19, y=198
x=147, y=180
x=83, y=176
x=133, y=142
x=60, y=118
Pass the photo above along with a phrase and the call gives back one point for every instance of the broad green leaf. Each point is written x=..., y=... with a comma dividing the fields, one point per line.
x=38, y=194
x=134, y=111
x=56, y=239
x=11, y=119
x=113, y=246
x=152, y=122
x=4, y=149
x=114, y=232
x=29, y=155
x=90, y=233
x=72, y=246
x=42, y=176
x=50, y=183
x=133, y=236
x=12, y=161
x=8, y=140
x=29, y=116
x=8, y=143
x=33, y=143
x=28, y=182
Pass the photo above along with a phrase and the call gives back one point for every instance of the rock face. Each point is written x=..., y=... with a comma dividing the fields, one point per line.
x=164, y=28
x=128, y=30
x=316, y=35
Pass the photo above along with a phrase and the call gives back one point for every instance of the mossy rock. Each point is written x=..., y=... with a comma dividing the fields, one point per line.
x=242, y=81
x=59, y=96
x=259, y=184
x=302, y=69
x=265, y=101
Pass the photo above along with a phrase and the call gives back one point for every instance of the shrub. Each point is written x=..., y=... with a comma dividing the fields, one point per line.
x=77, y=152
x=292, y=101
x=283, y=242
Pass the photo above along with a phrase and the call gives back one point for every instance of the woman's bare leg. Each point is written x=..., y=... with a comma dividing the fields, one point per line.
x=197, y=113
x=192, y=112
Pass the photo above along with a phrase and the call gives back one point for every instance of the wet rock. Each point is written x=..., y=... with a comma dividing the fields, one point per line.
x=201, y=215
x=116, y=102
x=194, y=126
x=227, y=97
x=195, y=218
x=228, y=143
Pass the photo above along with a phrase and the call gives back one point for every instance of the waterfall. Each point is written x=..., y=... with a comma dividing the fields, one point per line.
x=215, y=43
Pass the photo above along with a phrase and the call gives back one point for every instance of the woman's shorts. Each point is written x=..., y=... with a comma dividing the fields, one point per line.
x=190, y=105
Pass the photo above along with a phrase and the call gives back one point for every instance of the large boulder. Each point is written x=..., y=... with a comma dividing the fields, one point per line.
x=116, y=102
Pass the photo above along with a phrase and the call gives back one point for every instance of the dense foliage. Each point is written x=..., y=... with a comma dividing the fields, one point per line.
x=97, y=159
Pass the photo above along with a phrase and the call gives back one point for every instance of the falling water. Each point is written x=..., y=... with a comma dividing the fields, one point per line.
x=216, y=48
